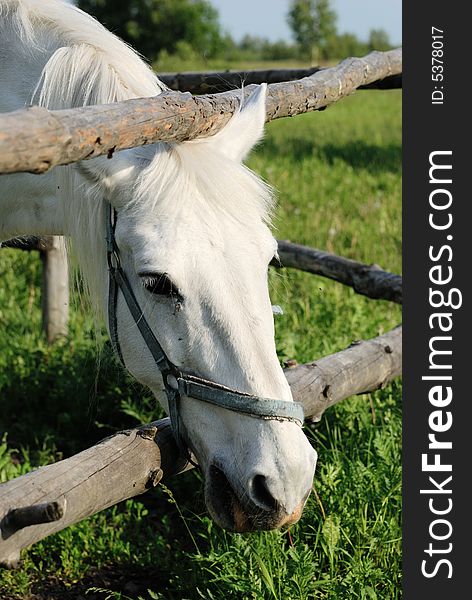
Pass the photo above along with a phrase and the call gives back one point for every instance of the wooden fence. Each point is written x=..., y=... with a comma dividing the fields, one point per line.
x=212, y=83
x=35, y=140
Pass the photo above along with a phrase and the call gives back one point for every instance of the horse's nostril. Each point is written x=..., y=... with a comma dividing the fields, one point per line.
x=260, y=493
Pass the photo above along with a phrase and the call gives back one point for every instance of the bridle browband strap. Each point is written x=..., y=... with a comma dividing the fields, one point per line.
x=176, y=382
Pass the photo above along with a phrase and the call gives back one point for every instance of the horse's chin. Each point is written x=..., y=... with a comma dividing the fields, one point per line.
x=223, y=504
x=232, y=513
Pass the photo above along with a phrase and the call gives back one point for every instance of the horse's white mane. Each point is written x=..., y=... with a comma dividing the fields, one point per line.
x=86, y=64
x=92, y=66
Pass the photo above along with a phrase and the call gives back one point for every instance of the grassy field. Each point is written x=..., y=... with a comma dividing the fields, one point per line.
x=192, y=62
x=338, y=176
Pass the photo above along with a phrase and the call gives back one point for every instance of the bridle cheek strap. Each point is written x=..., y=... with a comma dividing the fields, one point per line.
x=177, y=383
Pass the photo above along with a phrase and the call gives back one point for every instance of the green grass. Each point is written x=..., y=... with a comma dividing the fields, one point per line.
x=338, y=176
x=172, y=63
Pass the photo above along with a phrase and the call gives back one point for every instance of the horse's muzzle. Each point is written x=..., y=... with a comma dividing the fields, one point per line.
x=246, y=510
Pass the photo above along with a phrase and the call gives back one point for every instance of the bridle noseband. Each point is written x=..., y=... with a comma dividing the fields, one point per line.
x=176, y=382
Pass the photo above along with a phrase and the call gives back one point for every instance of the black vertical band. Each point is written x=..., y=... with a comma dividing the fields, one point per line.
x=436, y=215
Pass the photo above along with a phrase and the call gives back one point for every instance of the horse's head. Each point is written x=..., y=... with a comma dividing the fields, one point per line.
x=194, y=243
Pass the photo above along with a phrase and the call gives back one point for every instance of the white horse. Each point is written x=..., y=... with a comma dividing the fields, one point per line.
x=190, y=218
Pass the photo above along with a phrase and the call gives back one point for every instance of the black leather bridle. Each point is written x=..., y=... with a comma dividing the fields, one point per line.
x=177, y=383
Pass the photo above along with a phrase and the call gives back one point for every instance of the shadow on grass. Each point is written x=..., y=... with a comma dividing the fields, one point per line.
x=65, y=398
x=126, y=578
x=373, y=158
x=144, y=544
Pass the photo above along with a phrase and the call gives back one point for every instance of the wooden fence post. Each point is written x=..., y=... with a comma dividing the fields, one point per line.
x=55, y=288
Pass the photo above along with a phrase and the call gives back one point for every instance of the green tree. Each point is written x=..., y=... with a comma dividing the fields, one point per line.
x=346, y=44
x=379, y=40
x=154, y=25
x=313, y=23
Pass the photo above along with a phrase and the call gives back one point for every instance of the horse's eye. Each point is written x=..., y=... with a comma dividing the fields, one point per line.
x=161, y=285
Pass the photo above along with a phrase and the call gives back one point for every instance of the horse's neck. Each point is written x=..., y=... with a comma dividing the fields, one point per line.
x=28, y=204
x=20, y=68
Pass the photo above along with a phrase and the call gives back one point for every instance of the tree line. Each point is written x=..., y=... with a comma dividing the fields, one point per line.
x=191, y=28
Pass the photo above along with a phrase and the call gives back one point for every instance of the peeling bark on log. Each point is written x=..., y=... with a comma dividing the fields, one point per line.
x=363, y=367
x=35, y=139
x=368, y=280
x=127, y=464
x=212, y=83
x=42, y=502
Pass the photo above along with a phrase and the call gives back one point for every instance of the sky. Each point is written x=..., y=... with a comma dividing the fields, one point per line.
x=268, y=18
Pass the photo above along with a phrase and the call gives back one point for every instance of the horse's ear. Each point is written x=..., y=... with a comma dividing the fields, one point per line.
x=245, y=129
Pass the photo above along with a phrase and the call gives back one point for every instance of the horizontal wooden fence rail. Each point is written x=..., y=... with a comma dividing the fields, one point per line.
x=129, y=463
x=36, y=139
x=368, y=280
x=221, y=81
x=365, y=366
